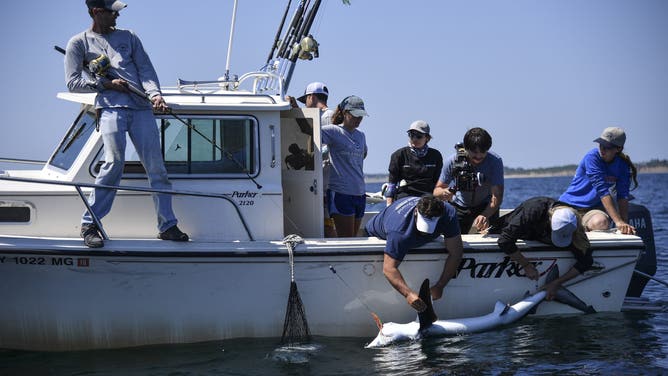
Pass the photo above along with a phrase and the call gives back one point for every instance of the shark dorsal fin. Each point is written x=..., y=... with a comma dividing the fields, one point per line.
x=428, y=316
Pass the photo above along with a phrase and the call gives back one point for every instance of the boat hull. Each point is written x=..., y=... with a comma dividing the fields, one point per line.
x=58, y=295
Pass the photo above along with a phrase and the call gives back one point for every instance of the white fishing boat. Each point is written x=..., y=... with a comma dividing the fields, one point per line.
x=238, y=199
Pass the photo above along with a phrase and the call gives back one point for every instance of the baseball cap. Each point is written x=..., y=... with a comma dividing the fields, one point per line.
x=419, y=126
x=612, y=135
x=425, y=224
x=314, y=88
x=113, y=5
x=564, y=223
x=354, y=105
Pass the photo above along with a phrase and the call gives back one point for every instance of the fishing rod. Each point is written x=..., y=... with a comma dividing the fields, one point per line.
x=274, y=46
x=379, y=323
x=650, y=277
x=304, y=44
x=291, y=33
x=99, y=67
x=305, y=29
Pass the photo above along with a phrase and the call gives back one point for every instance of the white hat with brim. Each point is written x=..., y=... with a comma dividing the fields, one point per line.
x=564, y=222
x=426, y=225
x=113, y=5
x=314, y=88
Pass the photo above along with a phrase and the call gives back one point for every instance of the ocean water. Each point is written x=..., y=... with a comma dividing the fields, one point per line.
x=626, y=343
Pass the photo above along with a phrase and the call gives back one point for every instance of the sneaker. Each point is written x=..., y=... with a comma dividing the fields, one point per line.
x=173, y=233
x=91, y=235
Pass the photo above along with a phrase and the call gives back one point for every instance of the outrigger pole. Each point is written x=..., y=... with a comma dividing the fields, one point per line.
x=229, y=44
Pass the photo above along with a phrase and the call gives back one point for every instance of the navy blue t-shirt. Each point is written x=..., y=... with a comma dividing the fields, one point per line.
x=396, y=224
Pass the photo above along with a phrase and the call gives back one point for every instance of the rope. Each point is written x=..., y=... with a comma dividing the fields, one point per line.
x=291, y=242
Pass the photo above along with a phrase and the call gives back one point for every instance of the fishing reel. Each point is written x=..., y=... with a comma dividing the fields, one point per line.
x=99, y=65
x=306, y=49
x=466, y=178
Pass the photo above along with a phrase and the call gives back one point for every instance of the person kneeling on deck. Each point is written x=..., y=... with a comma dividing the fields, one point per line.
x=411, y=222
x=551, y=222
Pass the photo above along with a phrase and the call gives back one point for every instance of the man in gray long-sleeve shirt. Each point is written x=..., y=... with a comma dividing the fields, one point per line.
x=120, y=111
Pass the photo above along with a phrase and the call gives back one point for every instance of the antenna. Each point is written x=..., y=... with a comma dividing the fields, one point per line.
x=229, y=45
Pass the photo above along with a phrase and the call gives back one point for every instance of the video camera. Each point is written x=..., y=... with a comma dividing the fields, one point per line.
x=466, y=178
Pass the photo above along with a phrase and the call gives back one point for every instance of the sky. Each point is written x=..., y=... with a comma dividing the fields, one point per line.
x=543, y=77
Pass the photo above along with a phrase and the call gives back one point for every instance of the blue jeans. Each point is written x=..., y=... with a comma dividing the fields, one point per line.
x=141, y=126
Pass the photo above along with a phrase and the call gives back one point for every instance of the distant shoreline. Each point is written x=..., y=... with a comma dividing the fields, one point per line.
x=380, y=178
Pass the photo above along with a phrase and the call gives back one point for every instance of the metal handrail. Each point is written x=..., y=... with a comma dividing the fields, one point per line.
x=183, y=85
x=229, y=95
x=22, y=161
x=78, y=187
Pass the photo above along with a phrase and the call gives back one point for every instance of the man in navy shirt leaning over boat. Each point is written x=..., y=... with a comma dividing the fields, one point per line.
x=120, y=110
x=411, y=222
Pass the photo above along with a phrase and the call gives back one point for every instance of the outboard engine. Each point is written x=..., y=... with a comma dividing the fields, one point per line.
x=639, y=217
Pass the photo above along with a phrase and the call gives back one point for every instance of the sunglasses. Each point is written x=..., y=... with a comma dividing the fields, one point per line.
x=115, y=13
x=608, y=146
x=416, y=135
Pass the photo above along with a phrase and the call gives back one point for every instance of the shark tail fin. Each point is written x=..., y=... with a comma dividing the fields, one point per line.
x=428, y=316
x=565, y=296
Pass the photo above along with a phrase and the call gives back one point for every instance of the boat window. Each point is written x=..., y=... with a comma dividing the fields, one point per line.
x=14, y=214
x=208, y=145
x=74, y=141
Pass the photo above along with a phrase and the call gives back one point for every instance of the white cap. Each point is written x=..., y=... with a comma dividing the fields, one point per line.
x=314, y=88
x=426, y=225
x=564, y=223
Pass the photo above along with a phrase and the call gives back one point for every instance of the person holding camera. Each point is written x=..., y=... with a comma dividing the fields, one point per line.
x=409, y=223
x=120, y=111
x=472, y=181
x=414, y=169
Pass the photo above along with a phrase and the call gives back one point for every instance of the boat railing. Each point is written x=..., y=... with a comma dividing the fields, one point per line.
x=21, y=161
x=78, y=187
x=262, y=82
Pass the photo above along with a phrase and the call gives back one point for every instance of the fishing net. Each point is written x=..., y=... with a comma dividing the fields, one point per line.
x=295, y=327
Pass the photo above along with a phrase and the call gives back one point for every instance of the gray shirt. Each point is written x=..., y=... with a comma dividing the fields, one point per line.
x=128, y=61
x=347, y=151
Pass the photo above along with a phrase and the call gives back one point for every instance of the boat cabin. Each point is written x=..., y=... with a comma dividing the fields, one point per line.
x=256, y=157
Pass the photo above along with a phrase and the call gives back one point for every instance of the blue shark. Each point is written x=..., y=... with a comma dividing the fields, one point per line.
x=427, y=324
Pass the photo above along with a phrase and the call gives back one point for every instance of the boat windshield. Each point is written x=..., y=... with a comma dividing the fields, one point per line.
x=74, y=141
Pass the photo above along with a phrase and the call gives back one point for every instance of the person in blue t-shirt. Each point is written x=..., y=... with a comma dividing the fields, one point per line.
x=602, y=181
x=347, y=149
x=409, y=223
x=479, y=201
